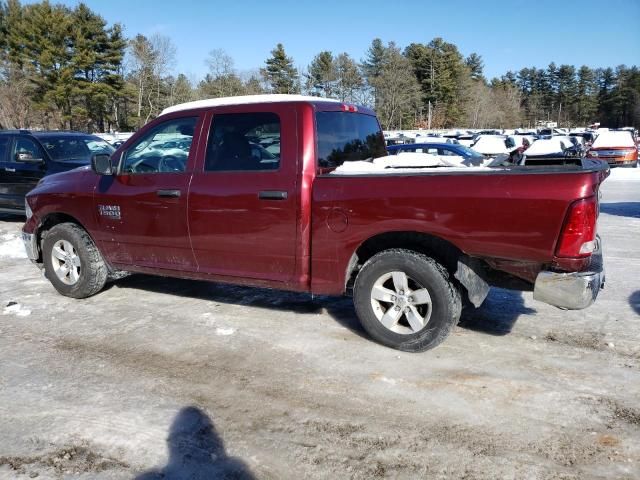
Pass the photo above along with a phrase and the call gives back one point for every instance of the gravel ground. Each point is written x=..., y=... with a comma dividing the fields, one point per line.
x=162, y=378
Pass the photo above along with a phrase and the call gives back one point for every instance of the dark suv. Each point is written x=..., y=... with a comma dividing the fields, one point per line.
x=26, y=157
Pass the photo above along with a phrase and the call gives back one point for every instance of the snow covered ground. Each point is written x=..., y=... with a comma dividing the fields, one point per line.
x=193, y=380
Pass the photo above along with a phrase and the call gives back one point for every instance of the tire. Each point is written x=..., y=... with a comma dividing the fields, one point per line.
x=424, y=320
x=72, y=262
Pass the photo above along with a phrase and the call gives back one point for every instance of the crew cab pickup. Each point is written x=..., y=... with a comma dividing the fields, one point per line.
x=253, y=191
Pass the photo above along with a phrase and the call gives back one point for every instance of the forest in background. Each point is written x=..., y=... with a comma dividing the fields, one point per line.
x=66, y=68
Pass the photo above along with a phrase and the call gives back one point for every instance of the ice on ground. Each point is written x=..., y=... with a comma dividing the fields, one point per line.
x=11, y=246
x=16, y=309
x=225, y=331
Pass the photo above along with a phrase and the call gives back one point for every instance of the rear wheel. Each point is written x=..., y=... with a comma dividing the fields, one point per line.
x=406, y=301
x=72, y=262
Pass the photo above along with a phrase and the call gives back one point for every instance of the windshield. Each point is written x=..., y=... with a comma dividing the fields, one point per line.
x=347, y=137
x=74, y=148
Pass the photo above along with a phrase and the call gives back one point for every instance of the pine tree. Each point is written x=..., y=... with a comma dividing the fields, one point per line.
x=280, y=73
x=372, y=67
x=349, y=82
x=476, y=65
x=587, y=99
x=398, y=90
x=322, y=75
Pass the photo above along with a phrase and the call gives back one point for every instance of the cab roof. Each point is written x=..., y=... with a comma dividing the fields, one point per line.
x=246, y=100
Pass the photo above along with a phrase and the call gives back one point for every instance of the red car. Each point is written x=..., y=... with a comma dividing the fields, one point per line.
x=616, y=147
x=260, y=194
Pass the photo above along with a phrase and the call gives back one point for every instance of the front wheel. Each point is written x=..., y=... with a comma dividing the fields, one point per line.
x=72, y=262
x=405, y=300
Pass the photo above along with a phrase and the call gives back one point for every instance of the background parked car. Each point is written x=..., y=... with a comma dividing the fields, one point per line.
x=469, y=157
x=557, y=150
x=26, y=157
x=616, y=147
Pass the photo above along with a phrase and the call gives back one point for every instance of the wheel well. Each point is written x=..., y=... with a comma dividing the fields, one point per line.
x=48, y=223
x=440, y=250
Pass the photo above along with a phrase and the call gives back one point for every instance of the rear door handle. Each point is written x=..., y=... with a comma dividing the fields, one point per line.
x=168, y=193
x=272, y=195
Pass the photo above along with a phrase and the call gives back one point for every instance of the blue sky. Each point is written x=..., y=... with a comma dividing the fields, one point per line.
x=508, y=35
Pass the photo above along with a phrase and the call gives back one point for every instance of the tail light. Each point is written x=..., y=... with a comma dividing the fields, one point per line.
x=578, y=236
x=631, y=154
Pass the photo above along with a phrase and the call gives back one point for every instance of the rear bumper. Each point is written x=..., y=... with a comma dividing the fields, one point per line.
x=571, y=291
x=30, y=245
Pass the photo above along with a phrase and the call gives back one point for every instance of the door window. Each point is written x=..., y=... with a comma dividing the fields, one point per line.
x=164, y=149
x=244, y=142
x=26, y=149
x=4, y=143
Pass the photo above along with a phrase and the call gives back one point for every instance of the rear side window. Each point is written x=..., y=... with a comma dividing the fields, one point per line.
x=243, y=142
x=347, y=137
x=4, y=143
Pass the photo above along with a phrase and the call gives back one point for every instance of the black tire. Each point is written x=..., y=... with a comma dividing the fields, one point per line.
x=92, y=270
x=446, y=303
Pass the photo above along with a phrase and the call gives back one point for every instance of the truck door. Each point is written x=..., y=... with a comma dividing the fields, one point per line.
x=242, y=200
x=142, y=210
x=22, y=166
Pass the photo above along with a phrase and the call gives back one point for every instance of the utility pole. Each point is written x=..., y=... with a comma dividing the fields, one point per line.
x=429, y=117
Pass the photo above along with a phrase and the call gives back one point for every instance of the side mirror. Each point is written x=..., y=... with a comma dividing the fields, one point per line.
x=27, y=157
x=101, y=164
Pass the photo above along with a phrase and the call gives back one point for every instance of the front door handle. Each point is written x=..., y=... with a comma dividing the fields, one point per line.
x=272, y=195
x=168, y=193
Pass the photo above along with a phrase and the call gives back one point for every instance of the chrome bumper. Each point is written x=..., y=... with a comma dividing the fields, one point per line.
x=30, y=245
x=571, y=291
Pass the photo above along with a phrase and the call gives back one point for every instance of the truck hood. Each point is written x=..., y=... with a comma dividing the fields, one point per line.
x=67, y=180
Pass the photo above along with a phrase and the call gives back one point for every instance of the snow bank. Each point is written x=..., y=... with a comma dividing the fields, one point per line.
x=608, y=139
x=11, y=246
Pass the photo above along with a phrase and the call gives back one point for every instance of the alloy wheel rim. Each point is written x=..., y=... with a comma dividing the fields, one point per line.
x=400, y=303
x=66, y=262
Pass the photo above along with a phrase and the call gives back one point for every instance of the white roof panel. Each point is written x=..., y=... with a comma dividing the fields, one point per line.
x=245, y=100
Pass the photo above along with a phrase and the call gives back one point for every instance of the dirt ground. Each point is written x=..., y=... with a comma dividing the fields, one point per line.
x=160, y=378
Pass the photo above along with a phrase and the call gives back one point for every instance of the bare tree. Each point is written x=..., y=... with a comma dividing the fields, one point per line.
x=397, y=89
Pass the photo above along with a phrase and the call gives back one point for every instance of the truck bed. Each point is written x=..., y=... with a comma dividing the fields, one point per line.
x=505, y=215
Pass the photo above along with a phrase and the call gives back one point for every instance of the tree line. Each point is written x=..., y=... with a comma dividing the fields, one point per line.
x=66, y=68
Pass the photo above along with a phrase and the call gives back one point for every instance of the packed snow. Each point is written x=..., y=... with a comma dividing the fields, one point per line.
x=490, y=145
x=624, y=174
x=547, y=147
x=11, y=246
x=225, y=331
x=405, y=162
x=612, y=138
x=16, y=309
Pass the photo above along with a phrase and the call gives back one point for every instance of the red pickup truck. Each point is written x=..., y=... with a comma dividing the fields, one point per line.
x=253, y=191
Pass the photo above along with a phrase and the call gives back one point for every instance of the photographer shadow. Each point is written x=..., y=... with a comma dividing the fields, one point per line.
x=196, y=452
